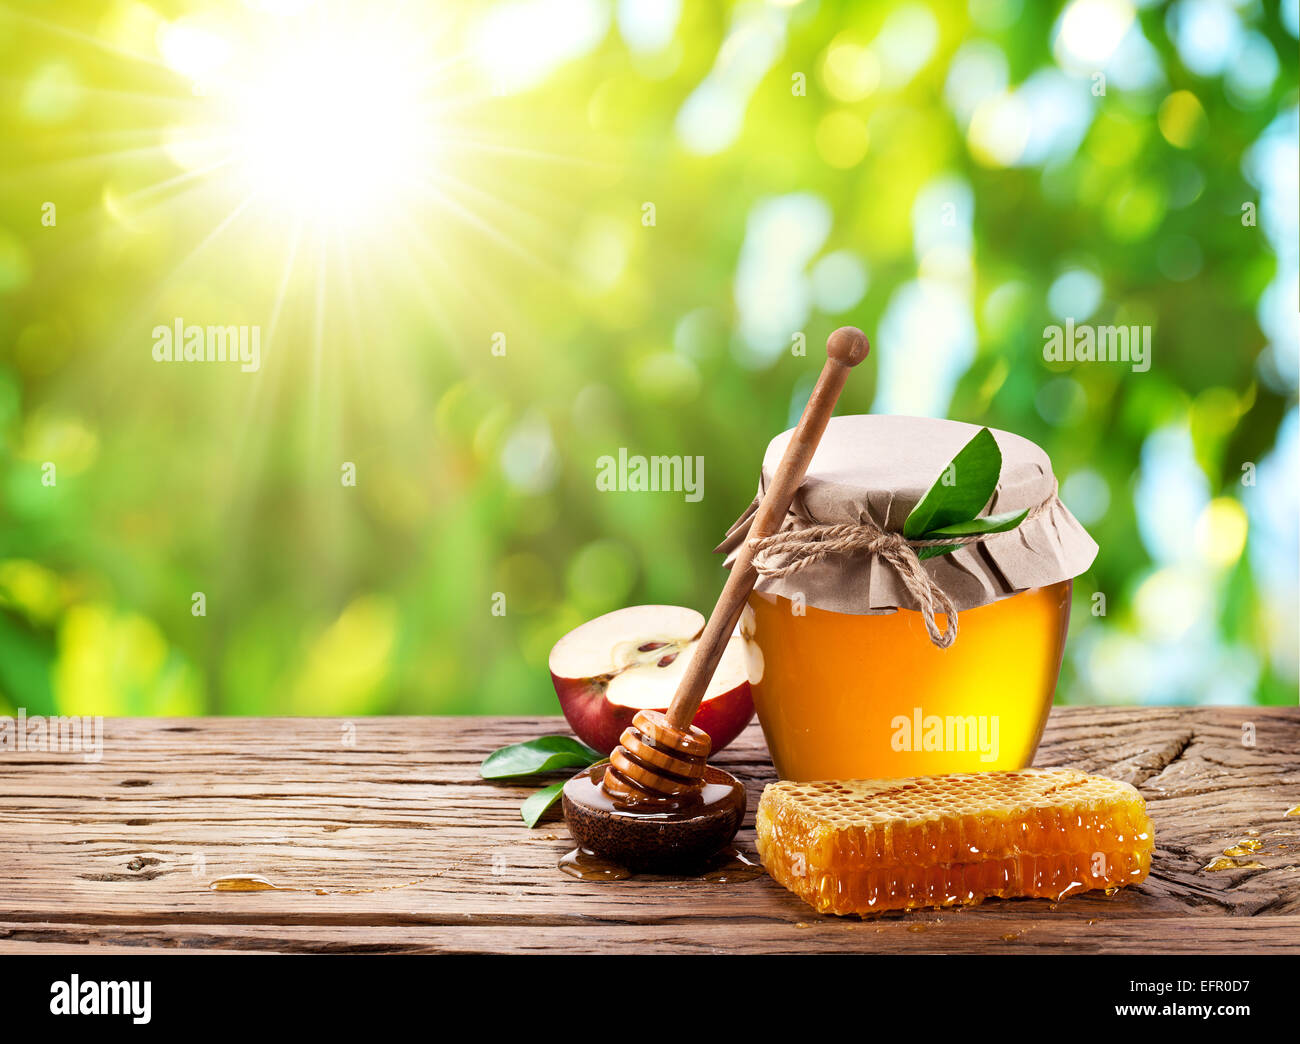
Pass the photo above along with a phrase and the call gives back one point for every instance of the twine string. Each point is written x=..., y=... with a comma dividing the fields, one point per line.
x=790, y=550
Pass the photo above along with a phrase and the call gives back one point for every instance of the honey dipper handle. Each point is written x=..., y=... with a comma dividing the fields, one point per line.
x=845, y=348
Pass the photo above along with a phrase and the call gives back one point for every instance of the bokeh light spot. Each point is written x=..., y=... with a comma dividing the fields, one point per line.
x=1074, y=294
x=1181, y=119
x=850, y=70
x=1221, y=531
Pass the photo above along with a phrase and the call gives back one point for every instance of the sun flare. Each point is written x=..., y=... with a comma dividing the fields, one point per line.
x=335, y=123
x=331, y=136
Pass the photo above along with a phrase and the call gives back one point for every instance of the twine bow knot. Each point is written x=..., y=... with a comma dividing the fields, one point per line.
x=790, y=550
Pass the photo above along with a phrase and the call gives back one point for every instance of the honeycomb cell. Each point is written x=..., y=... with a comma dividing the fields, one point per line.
x=863, y=846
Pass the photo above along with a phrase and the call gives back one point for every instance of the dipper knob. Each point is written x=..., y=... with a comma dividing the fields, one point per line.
x=848, y=345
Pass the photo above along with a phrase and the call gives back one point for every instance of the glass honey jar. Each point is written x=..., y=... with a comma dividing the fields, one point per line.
x=850, y=680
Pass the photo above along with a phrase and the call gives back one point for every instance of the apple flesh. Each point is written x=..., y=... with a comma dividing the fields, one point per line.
x=633, y=659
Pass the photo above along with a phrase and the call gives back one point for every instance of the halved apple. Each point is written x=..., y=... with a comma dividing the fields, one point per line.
x=633, y=659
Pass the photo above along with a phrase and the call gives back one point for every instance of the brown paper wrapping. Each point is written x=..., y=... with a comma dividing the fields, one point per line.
x=878, y=468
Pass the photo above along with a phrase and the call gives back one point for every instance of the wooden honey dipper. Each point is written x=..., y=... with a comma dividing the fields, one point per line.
x=662, y=756
x=659, y=767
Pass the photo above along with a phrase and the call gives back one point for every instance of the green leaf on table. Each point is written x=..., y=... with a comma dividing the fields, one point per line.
x=536, y=805
x=961, y=491
x=544, y=754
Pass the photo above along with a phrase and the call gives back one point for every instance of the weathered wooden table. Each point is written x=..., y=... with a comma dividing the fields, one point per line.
x=389, y=841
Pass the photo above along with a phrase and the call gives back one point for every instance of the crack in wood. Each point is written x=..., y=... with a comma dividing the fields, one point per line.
x=147, y=875
x=1167, y=758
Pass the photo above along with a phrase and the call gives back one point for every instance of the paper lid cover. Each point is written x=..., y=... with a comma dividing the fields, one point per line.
x=877, y=468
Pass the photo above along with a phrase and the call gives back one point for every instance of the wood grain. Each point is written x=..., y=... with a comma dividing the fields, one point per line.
x=413, y=852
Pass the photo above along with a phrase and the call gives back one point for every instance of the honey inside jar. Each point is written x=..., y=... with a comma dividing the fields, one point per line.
x=852, y=696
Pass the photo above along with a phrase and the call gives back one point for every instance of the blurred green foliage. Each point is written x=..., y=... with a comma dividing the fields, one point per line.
x=475, y=470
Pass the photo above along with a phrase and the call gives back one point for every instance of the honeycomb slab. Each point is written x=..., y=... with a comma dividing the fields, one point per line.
x=864, y=846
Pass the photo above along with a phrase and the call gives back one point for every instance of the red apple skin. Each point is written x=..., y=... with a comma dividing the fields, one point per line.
x=599, y=723
x=725, y=717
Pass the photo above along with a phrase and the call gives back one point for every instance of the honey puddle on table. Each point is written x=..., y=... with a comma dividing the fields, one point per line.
x=729, y=866
x=248, y=883
x=257, y=883
x=1226, y=863
x=1237, y=856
